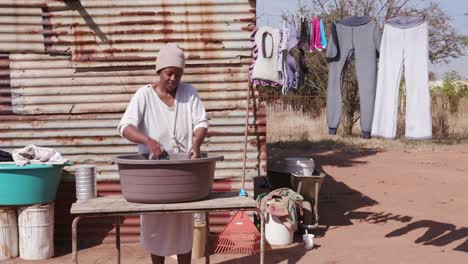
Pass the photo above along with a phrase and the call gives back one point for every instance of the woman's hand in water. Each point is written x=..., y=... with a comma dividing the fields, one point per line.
x=194, y=152
x=154, y=147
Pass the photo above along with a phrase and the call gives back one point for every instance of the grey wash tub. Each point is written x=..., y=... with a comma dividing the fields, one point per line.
x=166, y=181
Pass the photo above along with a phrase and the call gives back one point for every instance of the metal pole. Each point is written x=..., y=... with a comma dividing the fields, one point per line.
x=75, y=240
x=316, y=196
x=117, y=237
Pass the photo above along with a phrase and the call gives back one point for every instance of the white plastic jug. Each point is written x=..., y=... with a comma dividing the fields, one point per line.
x=308, y=241
x=276, y=233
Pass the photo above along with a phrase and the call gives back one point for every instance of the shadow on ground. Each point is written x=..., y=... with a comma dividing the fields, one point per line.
x=290, y=254
x=324, y=152
x=336, y=199
x=437, y=234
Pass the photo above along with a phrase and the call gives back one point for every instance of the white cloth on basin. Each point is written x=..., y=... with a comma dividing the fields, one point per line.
x=31, y=153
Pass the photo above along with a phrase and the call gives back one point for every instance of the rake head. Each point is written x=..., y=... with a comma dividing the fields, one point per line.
x=239, y=237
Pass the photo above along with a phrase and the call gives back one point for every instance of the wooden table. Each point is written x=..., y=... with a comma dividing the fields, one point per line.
x=117, y=206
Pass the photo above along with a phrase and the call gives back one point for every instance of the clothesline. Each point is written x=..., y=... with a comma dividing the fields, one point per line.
x=379, y=69
x=283, y=15
x=273, y=60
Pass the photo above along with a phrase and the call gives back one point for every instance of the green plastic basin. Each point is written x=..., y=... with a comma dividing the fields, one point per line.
x=29, y=184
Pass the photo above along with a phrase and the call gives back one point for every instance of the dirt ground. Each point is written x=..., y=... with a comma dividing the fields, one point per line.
x=376, y=206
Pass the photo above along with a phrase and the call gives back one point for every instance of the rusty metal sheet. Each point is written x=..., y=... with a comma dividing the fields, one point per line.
x=21, y=27
x=67, y=58
x=221, y=87
x=5, y=89
x=107, y=35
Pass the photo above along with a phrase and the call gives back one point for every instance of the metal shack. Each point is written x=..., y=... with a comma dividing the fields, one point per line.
x=69, y=68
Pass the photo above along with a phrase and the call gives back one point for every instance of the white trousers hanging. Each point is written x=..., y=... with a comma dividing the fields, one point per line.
x=408, y=46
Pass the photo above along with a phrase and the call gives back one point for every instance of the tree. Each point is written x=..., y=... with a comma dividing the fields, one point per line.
x=445, y=42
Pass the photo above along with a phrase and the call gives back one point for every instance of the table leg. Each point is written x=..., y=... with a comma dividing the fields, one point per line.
x=117, y=237
x=316, y=197
x=75, y=240
x=207, y=241
x=262, y=236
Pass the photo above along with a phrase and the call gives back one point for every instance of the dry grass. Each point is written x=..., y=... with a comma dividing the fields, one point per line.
x=285, y=124
x=458, y=123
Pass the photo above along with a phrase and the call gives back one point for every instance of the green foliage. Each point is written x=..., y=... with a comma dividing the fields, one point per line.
x=454, y=89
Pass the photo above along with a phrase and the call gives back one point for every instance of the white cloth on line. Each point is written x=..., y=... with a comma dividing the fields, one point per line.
x=265, y=67
x=408, y=47
x=166, y=234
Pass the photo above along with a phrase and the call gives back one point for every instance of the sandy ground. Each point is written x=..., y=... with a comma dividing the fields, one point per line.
x=395, y=206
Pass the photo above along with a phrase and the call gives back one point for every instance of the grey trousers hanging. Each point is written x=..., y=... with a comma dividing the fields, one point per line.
x=360, y=35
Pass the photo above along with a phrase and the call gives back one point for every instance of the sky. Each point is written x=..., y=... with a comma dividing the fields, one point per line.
x=269, y=13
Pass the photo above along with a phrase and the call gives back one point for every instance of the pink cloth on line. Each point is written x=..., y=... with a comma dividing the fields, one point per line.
x=318, y=38
x=312, y=35
x=315, y=35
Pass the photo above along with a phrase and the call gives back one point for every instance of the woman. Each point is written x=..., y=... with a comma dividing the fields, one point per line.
x=166, y=116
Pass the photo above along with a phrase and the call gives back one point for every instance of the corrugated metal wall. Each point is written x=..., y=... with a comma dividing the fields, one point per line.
x=69, y=68
x=5, y=91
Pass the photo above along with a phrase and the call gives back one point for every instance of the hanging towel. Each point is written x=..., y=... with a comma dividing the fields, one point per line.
x=259, y=82
x=323, y=36
x=265, y=67
x=286, y=62
x=312, y=35
x=283, y=48
x=318, y=40
x=304, y=37
x=303, y=45
x=318, y=36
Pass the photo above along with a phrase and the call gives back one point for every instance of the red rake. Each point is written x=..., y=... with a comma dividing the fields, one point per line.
x=239, y=237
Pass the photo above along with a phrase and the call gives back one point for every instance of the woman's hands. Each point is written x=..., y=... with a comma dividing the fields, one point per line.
x=133, y=134
x=154, y=147
x=198, y=137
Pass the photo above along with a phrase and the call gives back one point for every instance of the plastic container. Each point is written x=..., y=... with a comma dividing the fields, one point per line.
x=85, y=182
x=307, y=189
x=29, y=184
x=307, y=166
x=8, y=233
x=36, y=231
x=298, y=165
x=276, y=233
x=279, y=171
x=166, y=181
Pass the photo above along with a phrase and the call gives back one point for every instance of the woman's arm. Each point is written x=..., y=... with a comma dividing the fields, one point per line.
x=128, y=125
x=131, y=133
x=200, y=125
x=198, y=138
